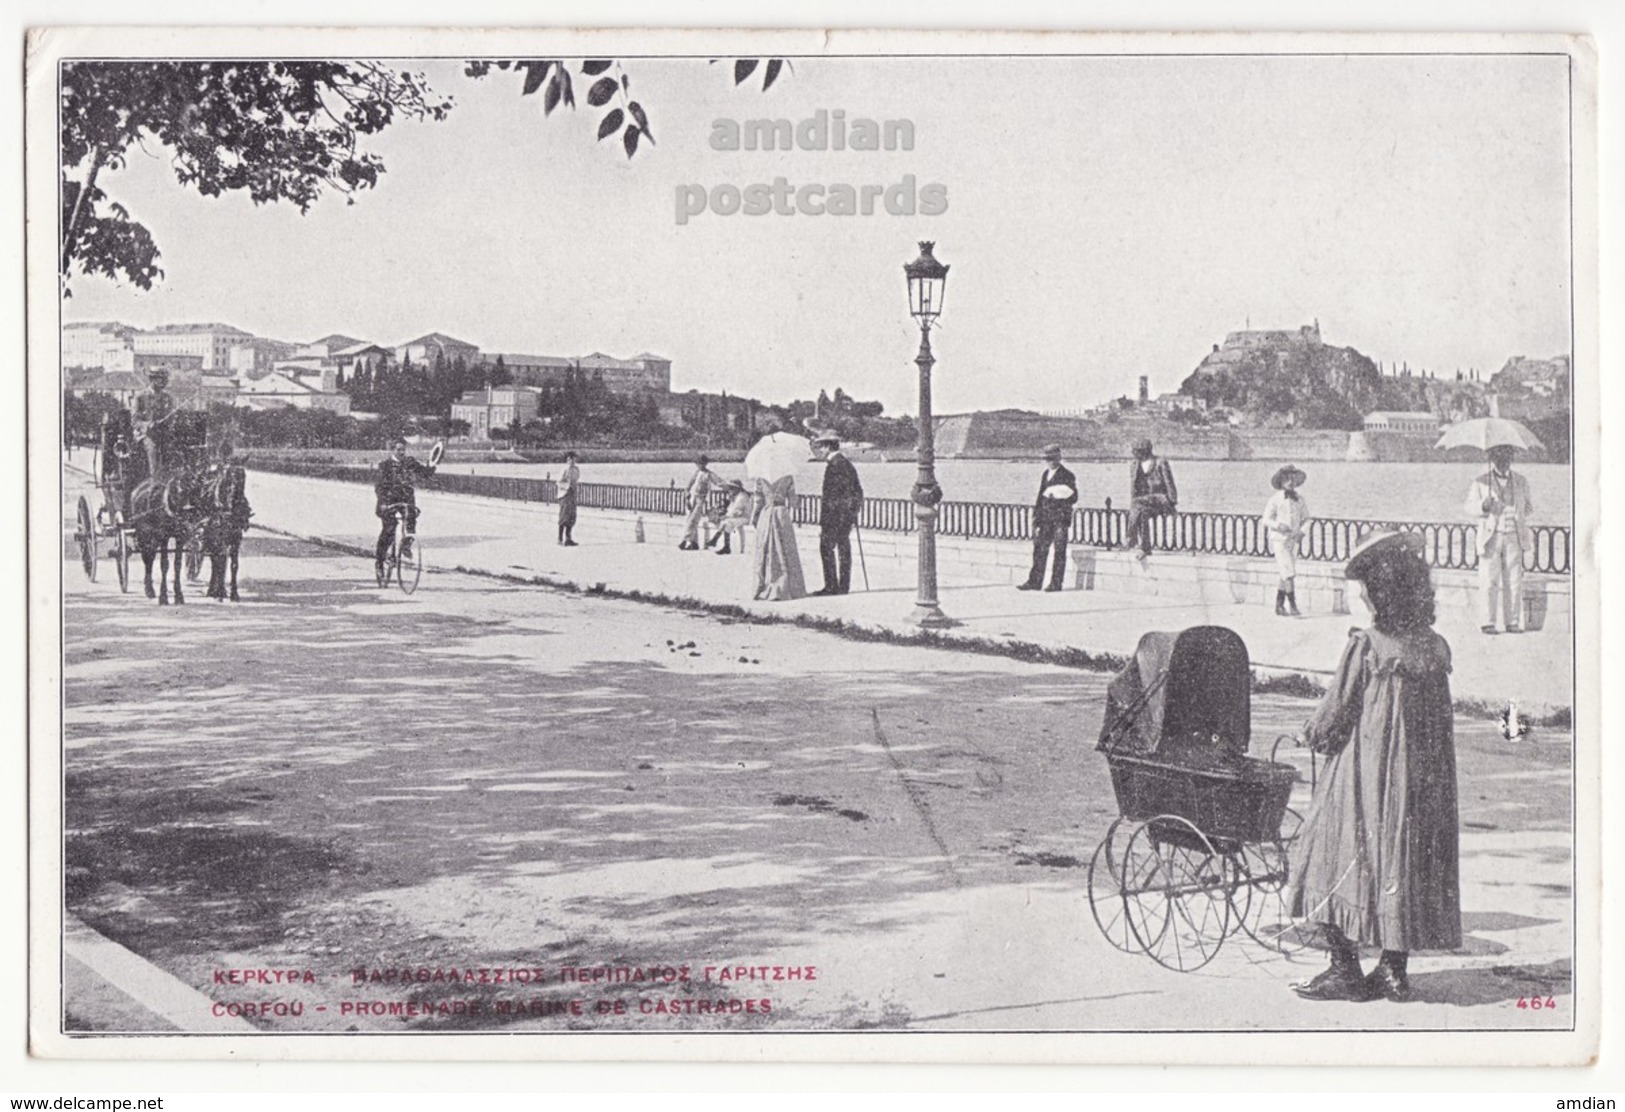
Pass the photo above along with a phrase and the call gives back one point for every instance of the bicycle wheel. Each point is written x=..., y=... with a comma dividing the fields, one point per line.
x=409, y=564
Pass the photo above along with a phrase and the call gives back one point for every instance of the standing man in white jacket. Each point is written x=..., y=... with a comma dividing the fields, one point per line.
x=1498, y=501
x=699, y=490
x=1285, y=516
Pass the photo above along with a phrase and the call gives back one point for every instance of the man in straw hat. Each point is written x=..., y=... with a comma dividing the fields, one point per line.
x=1498, y=501
x=1378, y=861
x=1151, y=494
x=1052, y=521
x=1285, y=516
x=699, y=488
x=842, y=502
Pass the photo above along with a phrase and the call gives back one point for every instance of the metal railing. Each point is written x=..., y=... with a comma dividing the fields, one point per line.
x=1445, y=544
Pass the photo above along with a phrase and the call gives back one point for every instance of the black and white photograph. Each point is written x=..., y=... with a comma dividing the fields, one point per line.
x=579, y=545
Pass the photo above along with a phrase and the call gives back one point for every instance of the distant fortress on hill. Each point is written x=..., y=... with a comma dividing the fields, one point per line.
x=1277, y=394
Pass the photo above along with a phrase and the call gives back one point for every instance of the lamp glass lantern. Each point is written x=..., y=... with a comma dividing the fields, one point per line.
x=927, y=283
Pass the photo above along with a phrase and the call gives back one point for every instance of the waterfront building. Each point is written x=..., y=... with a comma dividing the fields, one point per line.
x=495, y=407
x=644, y=371
x=109, y=345
x=211, y=341
x=285, y=388
x=326, y=347
x=256, y=355
x=121, y=386
x=426, y=348
x=1392, y=421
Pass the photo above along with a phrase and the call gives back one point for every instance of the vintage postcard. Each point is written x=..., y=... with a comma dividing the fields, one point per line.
x=803, y=546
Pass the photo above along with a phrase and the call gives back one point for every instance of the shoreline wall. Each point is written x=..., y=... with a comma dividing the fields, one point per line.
x=1018, y=435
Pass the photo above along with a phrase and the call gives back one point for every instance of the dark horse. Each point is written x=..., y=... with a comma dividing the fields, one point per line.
x=164, y=512
x=166, y=508
x=224, y=501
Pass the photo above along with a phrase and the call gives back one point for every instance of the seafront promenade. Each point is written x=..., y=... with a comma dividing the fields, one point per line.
x=516, y=540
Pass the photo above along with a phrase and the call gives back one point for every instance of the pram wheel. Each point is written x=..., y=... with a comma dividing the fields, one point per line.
x=1106, y=902
x=1258, y=897
x=1176, y=893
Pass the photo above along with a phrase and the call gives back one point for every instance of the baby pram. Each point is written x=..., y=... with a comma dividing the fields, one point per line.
x=1202, y=842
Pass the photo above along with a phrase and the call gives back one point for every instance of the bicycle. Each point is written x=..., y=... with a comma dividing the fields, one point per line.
x=406, y=570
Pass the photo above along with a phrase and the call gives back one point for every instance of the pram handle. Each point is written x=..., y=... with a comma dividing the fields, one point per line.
x=1298, y=743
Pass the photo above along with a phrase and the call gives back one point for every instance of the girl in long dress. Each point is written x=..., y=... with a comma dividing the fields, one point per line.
x=778, y=563
x=1378, y=861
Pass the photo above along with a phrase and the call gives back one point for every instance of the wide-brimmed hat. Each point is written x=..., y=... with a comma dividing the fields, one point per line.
x=1286, y=472
x=1142, y=445
x=828, y=436
x=733, y=484
x=1052, y=451
x=1372, y=545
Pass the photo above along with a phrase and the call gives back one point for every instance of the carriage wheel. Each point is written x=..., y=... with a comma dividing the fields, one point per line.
x=409, y=569
x=1176, y=893
x=1106, y=902
x=121, y=559
x=85, y=533
x=1259, y=895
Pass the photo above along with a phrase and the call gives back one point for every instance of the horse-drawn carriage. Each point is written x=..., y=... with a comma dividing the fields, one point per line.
x=189, y=504
x=1202, y=846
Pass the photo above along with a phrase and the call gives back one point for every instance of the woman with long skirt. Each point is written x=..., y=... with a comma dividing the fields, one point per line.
x=778, y=562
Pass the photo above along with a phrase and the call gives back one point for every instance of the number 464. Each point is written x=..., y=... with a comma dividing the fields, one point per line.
x=1537, y=1002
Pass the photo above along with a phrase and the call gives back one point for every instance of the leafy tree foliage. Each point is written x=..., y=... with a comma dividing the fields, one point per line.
x=279, y=131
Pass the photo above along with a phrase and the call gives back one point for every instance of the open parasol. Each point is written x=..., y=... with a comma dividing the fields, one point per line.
x=776, y=455
x=1485, y=433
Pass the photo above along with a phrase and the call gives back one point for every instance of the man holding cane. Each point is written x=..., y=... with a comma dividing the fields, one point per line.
x=842, y=502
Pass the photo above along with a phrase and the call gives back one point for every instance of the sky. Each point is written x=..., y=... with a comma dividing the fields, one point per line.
x=1106, y=217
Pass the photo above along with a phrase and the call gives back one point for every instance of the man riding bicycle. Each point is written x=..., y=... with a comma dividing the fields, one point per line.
x=396, y=488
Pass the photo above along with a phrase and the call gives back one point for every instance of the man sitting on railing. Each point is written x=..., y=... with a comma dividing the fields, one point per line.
x=1153, y=494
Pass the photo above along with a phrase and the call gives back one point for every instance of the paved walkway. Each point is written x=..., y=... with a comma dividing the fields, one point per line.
x=1534, y=670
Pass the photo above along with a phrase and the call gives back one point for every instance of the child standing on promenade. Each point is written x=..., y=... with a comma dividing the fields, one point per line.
x=1378, y=862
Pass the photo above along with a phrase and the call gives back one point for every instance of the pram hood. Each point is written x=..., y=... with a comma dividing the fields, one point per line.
x=1182, y=696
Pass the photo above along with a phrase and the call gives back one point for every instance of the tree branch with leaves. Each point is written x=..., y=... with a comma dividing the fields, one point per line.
x=279, y=130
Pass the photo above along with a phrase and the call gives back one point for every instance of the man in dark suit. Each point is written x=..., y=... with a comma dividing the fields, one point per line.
x=1052, y=521
x=842, y=501
x=1152, y=493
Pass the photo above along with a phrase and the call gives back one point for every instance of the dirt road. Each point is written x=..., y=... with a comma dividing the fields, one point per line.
x=491, y=806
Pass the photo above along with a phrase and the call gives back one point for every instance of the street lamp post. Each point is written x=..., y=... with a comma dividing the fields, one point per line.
x=927, y=281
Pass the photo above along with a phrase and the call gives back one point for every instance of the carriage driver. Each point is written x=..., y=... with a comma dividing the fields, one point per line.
x=397, y=477
x=152, y=410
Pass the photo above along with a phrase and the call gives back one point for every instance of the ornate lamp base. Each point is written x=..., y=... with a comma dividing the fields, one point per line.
x=929, y=616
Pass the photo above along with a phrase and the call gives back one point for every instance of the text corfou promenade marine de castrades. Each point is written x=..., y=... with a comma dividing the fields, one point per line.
x=823, y=131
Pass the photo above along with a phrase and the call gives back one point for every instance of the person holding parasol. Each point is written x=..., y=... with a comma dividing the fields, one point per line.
x=1498, y=502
